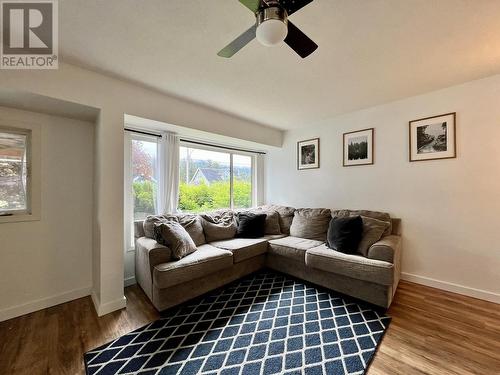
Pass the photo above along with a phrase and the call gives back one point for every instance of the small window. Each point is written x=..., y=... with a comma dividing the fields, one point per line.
x=144, y=176
x=15, y=172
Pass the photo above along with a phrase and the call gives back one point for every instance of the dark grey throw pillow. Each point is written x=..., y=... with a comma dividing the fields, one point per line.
x=272, y=220
x=175, y=237
x=344, y=234
x=373, y=230
x=251, y=225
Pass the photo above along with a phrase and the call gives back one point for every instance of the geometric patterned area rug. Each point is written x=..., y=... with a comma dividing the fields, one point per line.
x=266, y=323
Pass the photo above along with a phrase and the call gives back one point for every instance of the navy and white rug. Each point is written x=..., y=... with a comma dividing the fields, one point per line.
x=266, y=323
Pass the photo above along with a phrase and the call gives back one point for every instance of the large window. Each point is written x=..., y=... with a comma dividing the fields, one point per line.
x=212, y=178
x=209, y=178
x=14, y=172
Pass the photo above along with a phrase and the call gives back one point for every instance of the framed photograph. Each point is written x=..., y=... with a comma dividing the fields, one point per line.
x=358, y=147
x=433, y=138
x=308, y=154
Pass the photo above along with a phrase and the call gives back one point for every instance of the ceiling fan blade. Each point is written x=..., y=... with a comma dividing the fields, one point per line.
x=238, y=43
x=292, y=6
x=299, y=41
x=253, y=5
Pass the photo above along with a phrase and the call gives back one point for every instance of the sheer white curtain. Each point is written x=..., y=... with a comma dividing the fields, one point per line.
x=168, y=187
x=259, y=180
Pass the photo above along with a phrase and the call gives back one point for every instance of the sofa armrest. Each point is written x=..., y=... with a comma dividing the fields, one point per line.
x=152, y=252
x=148, y=254
x=387, y=249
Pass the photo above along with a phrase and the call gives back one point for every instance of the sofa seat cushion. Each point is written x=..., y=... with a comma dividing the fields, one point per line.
x=292, y=247
x=351, y=265
x=243, y=248
x=274, y=236
x=206, y=260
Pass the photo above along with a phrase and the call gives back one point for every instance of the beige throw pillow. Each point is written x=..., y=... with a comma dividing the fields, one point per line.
x=176, y=238
x=285, y=216
x=219, y=227
x=311, y=223
x=190, y=222
x=192, y=225
x=373, y=230
x=149, y=224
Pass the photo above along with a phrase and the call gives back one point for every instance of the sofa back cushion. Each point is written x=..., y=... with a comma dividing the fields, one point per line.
x=383, y=216
x=310, y=223
x=139, y=229
x=190, y=222
x=272, y=219
x=219, y=226
x=175, y=237
x=285, y=216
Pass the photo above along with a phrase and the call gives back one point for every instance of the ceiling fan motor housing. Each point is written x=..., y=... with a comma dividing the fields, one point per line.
x=271, y=13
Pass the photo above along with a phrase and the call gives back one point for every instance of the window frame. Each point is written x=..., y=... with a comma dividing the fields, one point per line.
x=231, y=153
x=128, y=189
x=33, y=172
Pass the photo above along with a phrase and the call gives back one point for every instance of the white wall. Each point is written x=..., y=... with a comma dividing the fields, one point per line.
x=115, y=98
x=450, y=208
x=46, y=262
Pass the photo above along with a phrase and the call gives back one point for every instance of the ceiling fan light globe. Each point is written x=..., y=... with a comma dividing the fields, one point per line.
x=271, y=32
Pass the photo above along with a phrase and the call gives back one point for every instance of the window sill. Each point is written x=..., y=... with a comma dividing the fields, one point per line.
x=19, y=218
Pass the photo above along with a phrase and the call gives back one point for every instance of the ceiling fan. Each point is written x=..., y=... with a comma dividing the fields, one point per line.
x=273, y=27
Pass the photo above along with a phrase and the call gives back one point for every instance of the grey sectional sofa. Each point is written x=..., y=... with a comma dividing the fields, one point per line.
x=373, y=278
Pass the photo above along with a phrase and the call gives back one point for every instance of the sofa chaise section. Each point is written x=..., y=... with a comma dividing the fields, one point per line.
x=351, y=265
x=168, y=283
x=206, y=260
x=373, y=278
x=377, y=294
x=164, y=298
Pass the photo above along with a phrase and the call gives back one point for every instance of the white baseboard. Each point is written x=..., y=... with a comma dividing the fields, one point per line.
x=130, y=281
x=452, y=287
x=108, y=307
x=43, y=303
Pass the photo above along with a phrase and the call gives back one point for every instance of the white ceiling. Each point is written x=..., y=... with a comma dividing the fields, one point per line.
x=370, y=52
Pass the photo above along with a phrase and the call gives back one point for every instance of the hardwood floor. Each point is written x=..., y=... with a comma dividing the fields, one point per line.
x=432, y=332
x=436, y=332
